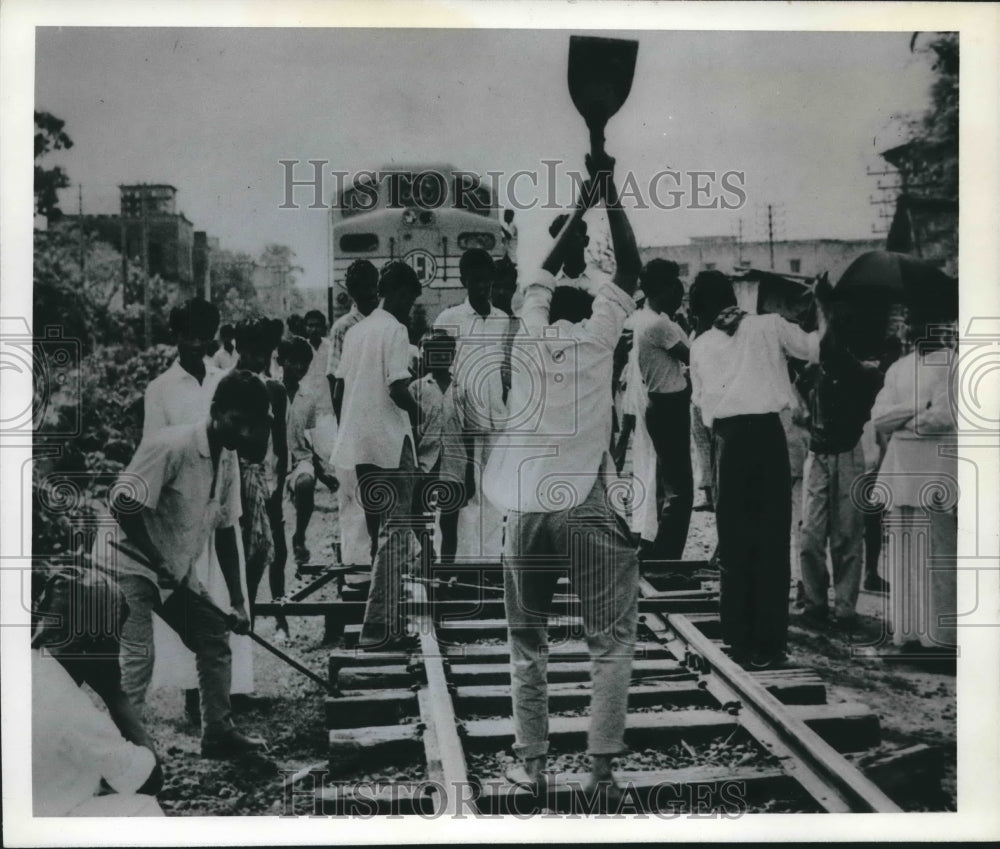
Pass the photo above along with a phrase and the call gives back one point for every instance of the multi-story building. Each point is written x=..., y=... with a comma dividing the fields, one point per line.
x=148, y=216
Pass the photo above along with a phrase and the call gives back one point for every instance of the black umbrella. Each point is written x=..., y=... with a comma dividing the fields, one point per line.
x=881, y=277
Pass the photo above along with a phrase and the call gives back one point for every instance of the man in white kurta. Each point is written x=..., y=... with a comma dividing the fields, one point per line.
x=376, y=438
x=479, y=329
x=361, y=282
x=183, y=395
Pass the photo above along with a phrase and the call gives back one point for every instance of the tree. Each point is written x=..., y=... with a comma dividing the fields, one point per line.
x=49, y=136
x=931, y=157
x=78, y=288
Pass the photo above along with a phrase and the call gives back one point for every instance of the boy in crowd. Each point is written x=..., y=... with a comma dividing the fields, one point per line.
x=262, y=478
x=295, y=357
x=548, y=473
x=441, y=454
x=74, y=745
x=361, y=281
x=839, y=391
x=225, y=357
x=190, y=495
x=377, y=415
x=739, y=374
x=662, y=357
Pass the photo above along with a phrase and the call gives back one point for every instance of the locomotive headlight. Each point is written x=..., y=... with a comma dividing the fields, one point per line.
x=486, y=241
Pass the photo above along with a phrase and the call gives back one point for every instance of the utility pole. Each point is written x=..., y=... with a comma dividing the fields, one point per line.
x=770, y=233
x=83, y=238
x=208, y=271
x=147, y=319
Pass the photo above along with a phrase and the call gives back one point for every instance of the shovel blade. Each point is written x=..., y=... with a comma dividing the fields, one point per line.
x=600, y=76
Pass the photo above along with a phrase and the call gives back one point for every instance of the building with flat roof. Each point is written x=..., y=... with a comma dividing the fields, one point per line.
x=799, y=257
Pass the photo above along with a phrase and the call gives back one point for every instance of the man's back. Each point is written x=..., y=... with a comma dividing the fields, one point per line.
x=746, y=373
x=372, y=427
x=560, y=406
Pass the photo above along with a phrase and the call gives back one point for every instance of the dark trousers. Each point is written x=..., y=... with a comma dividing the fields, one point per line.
x=753, y=511
x=873, y=531
x=668, y=419
x=276, y=572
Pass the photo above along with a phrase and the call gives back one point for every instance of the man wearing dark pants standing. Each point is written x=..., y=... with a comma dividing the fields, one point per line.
x=377, y=416
x=663, y=356
x=739, y=373
x=548, y=473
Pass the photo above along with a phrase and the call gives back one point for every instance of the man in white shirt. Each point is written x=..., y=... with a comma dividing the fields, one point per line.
x=739, y=376
x=376, y=437
x=479, y=329
x=361, y=282
x=183, y=395
x=548, y=472
x=189, y=495
x=662, y=357
x=184, y=391
x=324, y=434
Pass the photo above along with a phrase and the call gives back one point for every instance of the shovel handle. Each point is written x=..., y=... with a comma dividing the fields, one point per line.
x=597, y=142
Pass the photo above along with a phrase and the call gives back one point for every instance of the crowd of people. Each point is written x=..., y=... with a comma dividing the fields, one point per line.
x=495, y=437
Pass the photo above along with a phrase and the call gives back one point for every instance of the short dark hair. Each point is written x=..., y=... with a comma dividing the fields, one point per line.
x=657, y=274
x=560, y=220
x=710, y=294
x=570, y=303
x=360, y=273
x=661, y=277
x=397, y=276
x=506, y=271
x=475, y=260
x=276, y=329
x=438, y=351
x=296, y=324
x=255, y=335
x=314, y=314
x=226, y=331
x=297, y=349
x=243, y=391
x=195, y=318
x=508, y=215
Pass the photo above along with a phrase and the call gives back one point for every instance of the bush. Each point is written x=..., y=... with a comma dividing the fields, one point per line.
x=71, y=475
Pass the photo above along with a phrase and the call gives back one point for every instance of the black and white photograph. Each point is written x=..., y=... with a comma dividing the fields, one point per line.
x=497, y=420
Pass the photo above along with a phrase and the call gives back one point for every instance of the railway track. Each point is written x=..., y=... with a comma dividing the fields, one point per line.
x=428, y=730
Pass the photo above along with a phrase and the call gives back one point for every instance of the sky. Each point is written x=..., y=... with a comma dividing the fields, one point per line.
x=213, y=111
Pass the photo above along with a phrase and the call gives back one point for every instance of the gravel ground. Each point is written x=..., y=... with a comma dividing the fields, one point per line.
x=915, y=703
